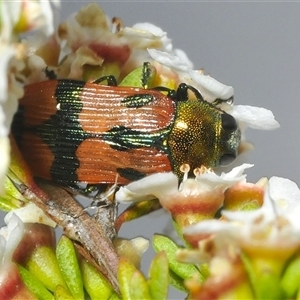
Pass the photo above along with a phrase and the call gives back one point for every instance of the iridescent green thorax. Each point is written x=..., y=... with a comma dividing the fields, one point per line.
x=199, y=136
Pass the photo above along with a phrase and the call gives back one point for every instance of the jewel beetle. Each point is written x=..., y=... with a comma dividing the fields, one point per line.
x=73, y=131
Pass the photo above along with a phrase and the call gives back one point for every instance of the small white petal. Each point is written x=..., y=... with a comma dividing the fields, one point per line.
x=243, y=216
x=225, y=180
x=141, y=244
x=255, y=117
x=15, y=230
x=284, y=192
x=168, y=60
x=148, y=27
x=183, y=56
x=30, y=214
x=211, y=88
x=6, y=54
x=236, y=172
x=209, y=227
x=2, y=247
x=148, y=187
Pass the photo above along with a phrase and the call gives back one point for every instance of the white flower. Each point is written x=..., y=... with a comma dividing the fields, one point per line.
x=192, y=200
x=10, y=237
x=16, y=17
x=254, y=117
x=211, y=89
x=276, y=221
x=30, y=213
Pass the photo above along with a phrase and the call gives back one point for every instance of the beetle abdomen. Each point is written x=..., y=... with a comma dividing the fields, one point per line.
x=72, y=131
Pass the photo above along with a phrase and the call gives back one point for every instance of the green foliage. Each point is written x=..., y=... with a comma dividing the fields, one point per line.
x=142, y=77
x=291, y=278
x=43, y=265
x=34, y=285
x=94, y=282
x=178, y=271
x=134, y=285
x=68, y=263
x=62, y=294
x=59, y=275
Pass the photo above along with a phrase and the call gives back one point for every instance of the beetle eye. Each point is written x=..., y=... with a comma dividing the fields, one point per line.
x=227, y=159
x=228, y=122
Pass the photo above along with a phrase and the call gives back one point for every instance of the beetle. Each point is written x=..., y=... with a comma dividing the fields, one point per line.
x=73, y=131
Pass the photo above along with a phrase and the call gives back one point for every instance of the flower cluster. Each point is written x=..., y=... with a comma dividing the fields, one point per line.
x=16, y=18
x=233, y=230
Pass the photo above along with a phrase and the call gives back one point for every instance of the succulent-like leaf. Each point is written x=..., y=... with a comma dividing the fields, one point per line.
x=115, y=296
x=184, y=271
x=291, y=278
x=43, y=265
x=176, y=281
x=158, y=281
x=68, y=263
x=34, y=285
x=265, y=281
x=125, y=272
x=139, y=287
x=94, y=282
x=62, y=294
x=137, y=210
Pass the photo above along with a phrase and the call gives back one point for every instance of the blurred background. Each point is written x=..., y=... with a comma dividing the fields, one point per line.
x=255, y=47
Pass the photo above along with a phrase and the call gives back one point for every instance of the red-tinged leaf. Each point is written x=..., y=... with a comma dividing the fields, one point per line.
x=137, y=210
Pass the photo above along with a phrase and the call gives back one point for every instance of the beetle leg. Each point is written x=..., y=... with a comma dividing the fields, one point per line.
x=50, y=74
x=220, y=101
x=111, y=80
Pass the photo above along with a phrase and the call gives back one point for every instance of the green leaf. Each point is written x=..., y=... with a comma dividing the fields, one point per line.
x=62, y=294
x=184, y=271
x=68, y=263
x=139, y=287
x=95, y=283
x=267, y=286
x=158, y=281
x=43, y=265
x=135, y=78
x=177, y=282
x=115, y=296
x=137, y=210
x=125, y=272
x=265, y=282
x=290, y=281
x=34, y=285
x=12, y=198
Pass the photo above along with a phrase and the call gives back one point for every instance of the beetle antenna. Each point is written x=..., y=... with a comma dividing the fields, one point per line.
x=146, y=74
